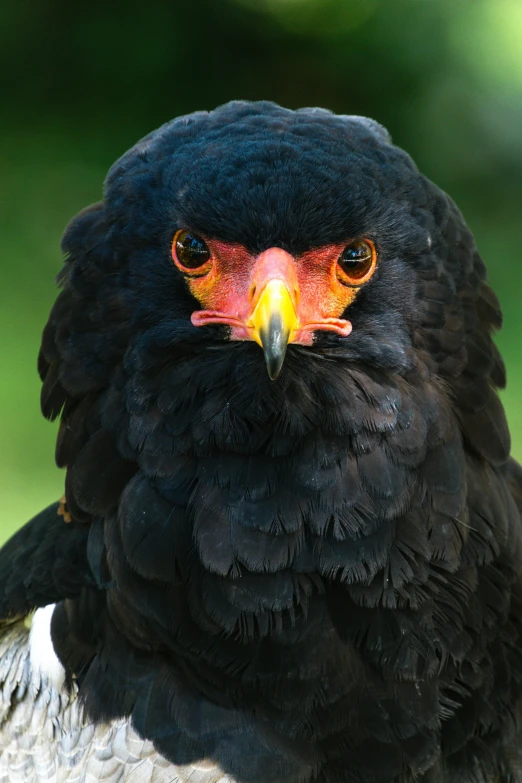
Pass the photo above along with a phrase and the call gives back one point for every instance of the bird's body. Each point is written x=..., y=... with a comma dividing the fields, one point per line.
x=313, y=576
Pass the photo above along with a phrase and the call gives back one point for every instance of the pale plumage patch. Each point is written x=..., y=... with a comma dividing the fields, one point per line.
x=44, y=736
x=44, y=661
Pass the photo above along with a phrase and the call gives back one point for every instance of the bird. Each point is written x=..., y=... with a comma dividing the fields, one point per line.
x=289, y=548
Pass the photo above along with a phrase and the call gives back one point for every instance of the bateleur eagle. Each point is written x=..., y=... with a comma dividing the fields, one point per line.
x=290, y=545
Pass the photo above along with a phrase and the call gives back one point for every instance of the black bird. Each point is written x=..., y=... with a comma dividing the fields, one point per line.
x=299, y=562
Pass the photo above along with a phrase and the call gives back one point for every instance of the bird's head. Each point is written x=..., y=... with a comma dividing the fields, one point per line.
x=282, y=228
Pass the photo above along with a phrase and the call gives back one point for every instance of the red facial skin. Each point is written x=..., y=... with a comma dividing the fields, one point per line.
x=229, y=285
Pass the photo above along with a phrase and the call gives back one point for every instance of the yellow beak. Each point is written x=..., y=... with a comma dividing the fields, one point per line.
x=274, y=322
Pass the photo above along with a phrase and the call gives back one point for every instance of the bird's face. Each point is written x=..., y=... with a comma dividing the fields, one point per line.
x=273, y=297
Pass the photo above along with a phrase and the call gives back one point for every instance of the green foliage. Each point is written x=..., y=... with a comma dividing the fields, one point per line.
x=82, y=81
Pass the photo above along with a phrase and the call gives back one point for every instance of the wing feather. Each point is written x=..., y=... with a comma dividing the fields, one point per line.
x=45, y=736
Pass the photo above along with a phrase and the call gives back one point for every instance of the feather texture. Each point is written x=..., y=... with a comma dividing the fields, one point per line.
x=45, y=735
x=313, y=580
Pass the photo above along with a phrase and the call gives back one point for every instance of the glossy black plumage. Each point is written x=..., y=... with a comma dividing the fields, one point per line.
x=314, y=579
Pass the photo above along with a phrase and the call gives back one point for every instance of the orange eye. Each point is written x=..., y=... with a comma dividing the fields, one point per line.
x=190, y=252
x=357, y=262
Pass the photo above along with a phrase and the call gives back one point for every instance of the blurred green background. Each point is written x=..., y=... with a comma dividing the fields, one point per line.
x=81, y=82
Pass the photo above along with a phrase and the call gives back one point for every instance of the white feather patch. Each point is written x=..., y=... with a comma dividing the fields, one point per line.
x=44, y=660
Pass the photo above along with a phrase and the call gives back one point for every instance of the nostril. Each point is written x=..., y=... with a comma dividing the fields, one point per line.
x=253, y=291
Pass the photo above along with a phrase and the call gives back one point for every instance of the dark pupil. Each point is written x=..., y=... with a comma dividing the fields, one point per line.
x=355, y=259
x=192, y=251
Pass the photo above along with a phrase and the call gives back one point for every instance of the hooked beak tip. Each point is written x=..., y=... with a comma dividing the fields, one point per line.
x=274, y=368
x=274, y=340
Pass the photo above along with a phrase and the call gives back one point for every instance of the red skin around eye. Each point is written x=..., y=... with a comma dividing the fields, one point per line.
x=229, y=285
